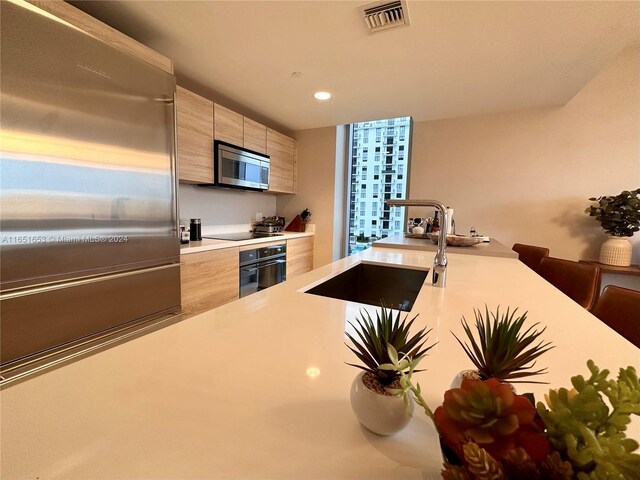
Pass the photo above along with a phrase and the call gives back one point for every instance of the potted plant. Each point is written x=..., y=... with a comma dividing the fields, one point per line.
x=374, y=398
x=504, y=349
x=619, y=216
x=578, y=434
x=488, y=431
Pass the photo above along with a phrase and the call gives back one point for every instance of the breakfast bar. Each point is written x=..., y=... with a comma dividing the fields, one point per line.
x=259, y=388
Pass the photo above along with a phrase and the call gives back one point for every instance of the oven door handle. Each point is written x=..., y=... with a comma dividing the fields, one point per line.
x=275, y=262
x=262, y=265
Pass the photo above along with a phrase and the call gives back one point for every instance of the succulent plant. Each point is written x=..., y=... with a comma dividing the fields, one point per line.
x=619, y=215
x=490, y=414
x=374, y=337
x=504, y=350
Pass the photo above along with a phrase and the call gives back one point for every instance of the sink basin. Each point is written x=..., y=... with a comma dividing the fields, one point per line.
x=373, y=284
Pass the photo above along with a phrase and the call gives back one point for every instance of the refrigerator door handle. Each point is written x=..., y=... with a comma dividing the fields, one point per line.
x=174, y=165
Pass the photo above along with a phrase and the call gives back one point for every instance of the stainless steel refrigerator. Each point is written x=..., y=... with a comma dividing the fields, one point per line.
x=88, y=239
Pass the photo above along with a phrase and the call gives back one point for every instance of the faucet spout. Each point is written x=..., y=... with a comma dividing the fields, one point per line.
x=439, y=278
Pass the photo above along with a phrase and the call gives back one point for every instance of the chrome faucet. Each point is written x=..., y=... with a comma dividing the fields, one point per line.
x=439, y=278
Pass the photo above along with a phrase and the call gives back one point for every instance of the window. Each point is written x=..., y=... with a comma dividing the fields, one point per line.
x=369, y=217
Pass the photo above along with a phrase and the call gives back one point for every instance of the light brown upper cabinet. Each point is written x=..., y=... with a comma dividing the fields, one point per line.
x=255, y=136
x=104, y=32
x=282, y=151
x=195, y=143
x=228, y=126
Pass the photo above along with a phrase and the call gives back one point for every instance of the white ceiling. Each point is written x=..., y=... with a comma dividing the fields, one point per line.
x=456, y=58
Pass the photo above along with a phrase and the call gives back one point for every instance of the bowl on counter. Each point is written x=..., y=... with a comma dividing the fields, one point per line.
x=457, y=240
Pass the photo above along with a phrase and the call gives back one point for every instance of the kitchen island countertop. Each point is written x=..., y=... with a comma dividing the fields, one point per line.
x=491, y=249
x=259, y=388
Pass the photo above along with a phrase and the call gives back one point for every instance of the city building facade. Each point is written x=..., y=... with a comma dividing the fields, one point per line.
x=378, y=171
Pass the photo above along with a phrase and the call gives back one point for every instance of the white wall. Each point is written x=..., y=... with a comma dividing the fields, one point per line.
x=316, y=188
x=526, y=176
x=222, y=206
x=521, y=176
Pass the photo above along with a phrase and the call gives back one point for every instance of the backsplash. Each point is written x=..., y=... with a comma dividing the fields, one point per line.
x=223, y=206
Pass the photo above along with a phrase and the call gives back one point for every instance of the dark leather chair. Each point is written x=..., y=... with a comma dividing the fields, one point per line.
x=620, y=309
x=530, y=255
x=579, y=281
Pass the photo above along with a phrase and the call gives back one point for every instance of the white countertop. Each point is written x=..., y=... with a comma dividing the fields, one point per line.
x=212, y=244
x=491, y=249
x=259, y=388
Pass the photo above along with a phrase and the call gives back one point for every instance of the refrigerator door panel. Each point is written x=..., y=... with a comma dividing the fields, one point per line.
x=87, y=158
x=38, y=321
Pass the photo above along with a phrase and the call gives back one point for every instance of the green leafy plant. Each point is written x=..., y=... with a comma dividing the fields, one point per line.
x=503, y=350
x=373, y=338
x=590, y=431
x=404, y=368
x=619, y=215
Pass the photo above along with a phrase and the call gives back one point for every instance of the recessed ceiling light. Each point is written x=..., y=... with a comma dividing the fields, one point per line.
x=322, y=95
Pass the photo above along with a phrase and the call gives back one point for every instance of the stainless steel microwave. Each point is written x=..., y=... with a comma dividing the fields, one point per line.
x=240, y=168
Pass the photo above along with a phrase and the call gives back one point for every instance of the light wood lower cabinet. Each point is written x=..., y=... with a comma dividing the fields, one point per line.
x=299, y=256
x=209, y=279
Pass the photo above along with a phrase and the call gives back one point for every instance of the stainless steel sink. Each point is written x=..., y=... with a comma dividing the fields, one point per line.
x=373, y=284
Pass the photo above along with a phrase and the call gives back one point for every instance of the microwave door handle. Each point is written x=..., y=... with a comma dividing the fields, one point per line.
x=252, y=161
x=249, y=270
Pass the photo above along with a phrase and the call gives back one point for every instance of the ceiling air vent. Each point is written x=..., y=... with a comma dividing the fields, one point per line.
x=383, y=15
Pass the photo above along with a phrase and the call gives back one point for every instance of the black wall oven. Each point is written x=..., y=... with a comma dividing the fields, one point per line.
x=262, y=268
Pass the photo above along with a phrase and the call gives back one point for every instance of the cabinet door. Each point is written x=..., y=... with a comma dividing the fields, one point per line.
x=209, y=279
x=255, y=136
x=299, y=256
x=228, y=125
x=195, y=143
x=281, y=150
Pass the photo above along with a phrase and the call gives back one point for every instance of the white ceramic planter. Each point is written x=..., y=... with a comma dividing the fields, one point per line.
x=457, y=380
x=381, y=414
x=616, y=251
x=473, y=374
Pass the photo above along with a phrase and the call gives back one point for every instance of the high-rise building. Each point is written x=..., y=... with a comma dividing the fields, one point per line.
x=378, y=172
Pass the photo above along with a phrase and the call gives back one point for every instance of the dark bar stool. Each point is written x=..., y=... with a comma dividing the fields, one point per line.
x=620, y=309
x=579, y=281
x=530, y=255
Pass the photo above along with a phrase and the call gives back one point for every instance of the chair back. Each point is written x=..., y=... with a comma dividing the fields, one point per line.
x=530, y=255
x=579, y=281
x=620, y=309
